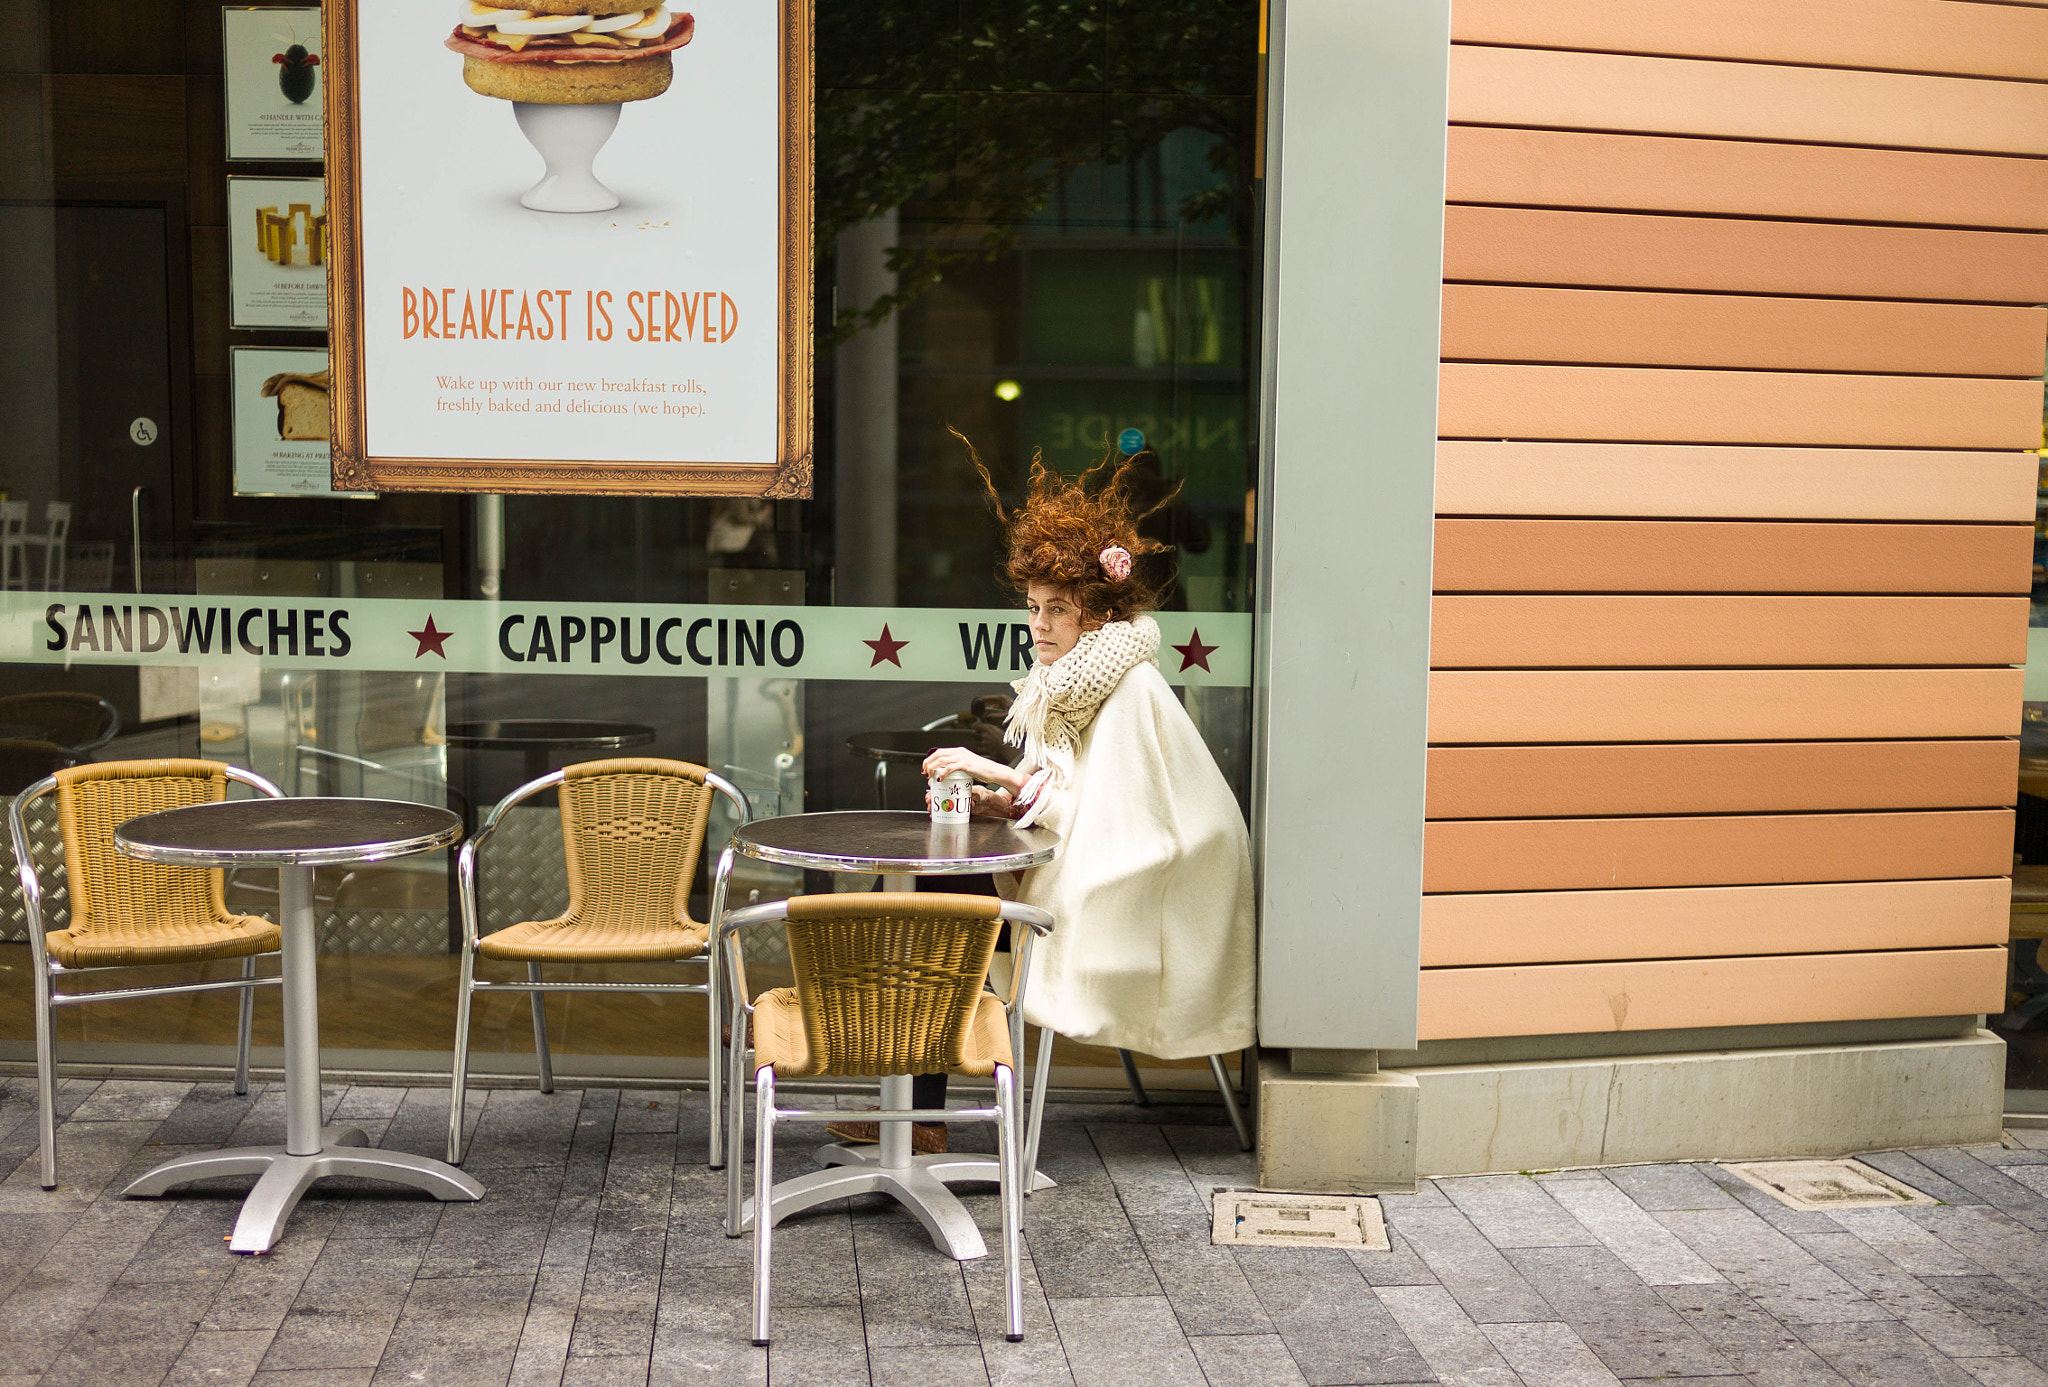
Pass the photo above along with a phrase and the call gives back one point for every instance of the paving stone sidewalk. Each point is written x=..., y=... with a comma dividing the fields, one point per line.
x=596, y=1259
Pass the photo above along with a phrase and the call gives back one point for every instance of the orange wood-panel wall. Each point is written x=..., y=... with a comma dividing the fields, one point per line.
x=1743, y=344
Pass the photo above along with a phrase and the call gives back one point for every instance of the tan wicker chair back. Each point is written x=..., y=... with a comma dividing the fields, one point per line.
x=113, y=894
x=632, y=829
x=889, y=981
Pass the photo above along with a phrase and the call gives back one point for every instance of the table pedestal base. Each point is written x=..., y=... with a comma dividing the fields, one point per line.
x=950, y=1169
x=286, y=1178
x=919, y=1187
x=916, y=1187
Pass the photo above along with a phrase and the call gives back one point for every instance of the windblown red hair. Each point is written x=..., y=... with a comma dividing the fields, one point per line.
x=1057, y=536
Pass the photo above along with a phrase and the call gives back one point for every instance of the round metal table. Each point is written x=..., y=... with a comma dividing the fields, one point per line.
x=539, y=738
x=295, y=836
x=897, y=844
x=910, y=748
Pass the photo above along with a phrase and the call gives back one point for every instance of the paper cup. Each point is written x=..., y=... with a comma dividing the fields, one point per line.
x=952, y=797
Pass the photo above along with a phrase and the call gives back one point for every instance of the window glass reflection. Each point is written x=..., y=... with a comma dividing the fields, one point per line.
x=1036, y=225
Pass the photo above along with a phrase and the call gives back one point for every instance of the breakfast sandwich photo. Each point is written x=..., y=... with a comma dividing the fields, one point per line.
x=567, y=66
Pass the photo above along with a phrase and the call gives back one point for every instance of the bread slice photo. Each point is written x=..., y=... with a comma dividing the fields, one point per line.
x=301, y=404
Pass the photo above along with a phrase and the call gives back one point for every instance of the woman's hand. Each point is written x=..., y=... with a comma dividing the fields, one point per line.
x=948, y=759
x=992, y=804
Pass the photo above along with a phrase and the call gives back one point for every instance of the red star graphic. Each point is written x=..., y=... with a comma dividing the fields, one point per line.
x=432, y=639
x=1195, y=653
x=885, y=648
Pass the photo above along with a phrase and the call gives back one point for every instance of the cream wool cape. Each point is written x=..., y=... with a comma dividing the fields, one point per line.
x=1151, y=894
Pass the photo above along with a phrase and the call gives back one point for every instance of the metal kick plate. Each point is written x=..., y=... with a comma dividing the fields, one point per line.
x=1253, y=1218
x=1817, y=1186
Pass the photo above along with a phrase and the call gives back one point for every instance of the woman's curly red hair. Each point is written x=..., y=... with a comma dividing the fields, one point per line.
x=1057, y=536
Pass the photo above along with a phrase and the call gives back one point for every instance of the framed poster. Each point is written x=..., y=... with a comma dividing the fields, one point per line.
x=281, y=422
x=595, y=275
x=272, y=76
x=277, y=253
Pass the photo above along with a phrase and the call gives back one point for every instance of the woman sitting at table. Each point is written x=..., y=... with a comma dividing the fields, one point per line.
x=1152, y=888
x=1151, y=894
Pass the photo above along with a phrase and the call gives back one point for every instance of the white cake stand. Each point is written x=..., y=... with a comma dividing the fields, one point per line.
x=568, y=139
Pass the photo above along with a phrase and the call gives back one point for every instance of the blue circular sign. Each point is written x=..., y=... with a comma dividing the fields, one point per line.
x=1131, y=441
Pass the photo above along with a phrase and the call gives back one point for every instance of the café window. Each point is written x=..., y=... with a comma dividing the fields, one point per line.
x=1036, y=226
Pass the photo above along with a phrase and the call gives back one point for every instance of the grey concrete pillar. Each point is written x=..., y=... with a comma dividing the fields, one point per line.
x=1354, y=244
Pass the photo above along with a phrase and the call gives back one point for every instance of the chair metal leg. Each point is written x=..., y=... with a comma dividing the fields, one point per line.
x=1230, y=1103
x=1010, y=1190
x=764, y=1185
x=726, y=1141
x=714, y=1055
x=1017, y=1049
x=46, y=1078
x=465, y=990
x=736, y=1122
x=1131, y=1078
x=247, y=1023
x=543, y=1059
x=1037, y=1110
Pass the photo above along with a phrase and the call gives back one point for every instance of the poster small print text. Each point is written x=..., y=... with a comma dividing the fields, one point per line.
x=272, y=76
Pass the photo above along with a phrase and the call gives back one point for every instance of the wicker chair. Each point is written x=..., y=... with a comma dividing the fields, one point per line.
x=887, y=983
x=632, y=831
x=126, y=913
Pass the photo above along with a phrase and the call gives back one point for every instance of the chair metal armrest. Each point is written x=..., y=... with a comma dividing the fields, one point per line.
x=465, y=859
x=732, y=793
x=24, y=864
x=465, y=892
x=502, y=807
x=254, y=782
x=1036, y=923
x=728, y=939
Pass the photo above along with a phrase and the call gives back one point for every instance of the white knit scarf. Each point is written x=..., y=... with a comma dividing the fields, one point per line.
x=1056, y=702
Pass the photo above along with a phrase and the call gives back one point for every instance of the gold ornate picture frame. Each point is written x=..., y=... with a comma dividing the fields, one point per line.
x=785, y=474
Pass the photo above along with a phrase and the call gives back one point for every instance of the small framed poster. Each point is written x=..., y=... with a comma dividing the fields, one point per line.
x=281, y=423
x=272, y=76
x=571, y=252
x=277, y=255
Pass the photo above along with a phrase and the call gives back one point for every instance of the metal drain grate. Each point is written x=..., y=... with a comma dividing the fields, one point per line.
x=1250, y=1218
x=1823, y=1185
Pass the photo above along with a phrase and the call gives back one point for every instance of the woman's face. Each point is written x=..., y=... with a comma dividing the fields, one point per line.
x=1056, y=622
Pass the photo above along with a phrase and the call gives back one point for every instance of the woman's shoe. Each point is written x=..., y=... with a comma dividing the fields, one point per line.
x=926, y=1138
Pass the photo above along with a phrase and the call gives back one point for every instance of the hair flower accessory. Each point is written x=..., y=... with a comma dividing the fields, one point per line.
x=1116, y=562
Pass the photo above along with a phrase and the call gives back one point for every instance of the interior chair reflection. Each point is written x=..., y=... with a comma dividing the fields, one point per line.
x=81, y=723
